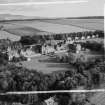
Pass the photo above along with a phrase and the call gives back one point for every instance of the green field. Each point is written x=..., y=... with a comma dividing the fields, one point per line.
x=46, y=64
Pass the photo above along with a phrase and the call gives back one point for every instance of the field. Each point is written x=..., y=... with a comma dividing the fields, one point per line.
x=92, y=24
x=46, y=64
x=46, y=26
x=43, y=26
x=5, y=35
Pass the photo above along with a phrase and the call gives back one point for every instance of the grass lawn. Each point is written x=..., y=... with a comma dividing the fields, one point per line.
x=46, y=64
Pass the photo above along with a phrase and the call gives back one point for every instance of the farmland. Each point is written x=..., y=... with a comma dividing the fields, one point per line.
x=96, y=24
x=44, y=26
x=5, y=35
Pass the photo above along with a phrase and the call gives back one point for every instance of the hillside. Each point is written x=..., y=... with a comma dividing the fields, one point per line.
x=10, y=17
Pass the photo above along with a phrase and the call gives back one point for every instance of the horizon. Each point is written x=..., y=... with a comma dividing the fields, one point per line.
x=10, y=17
x=32, y=17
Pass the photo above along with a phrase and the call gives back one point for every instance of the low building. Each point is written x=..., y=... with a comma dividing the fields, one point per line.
x=51, y=101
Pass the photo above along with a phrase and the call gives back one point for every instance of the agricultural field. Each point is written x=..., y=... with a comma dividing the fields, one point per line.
x=48, y=26
x=44, y=26
x=24, y=31
x=6, y=35
x=95, y=24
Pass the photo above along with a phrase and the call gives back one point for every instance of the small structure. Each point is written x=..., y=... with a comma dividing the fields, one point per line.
x=28, y=59
x=76, y=38
x=93, y=36
x=51, y=101
x=82, y=37
x=88, y=37
x=46, y=49
x=97, y=35
x=69, y=40
x=78, y=48
x=12, y=53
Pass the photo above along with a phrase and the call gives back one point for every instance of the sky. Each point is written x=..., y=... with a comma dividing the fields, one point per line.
x=53, y=8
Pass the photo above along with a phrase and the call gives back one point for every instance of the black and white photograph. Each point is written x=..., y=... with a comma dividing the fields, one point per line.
x=52, y=52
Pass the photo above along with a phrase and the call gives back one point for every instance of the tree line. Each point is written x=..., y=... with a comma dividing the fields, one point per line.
x=13, y=78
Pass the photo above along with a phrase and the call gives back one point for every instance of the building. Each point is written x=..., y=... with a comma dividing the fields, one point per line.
x=51, y=101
